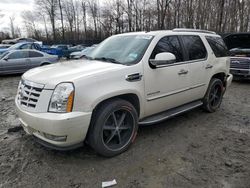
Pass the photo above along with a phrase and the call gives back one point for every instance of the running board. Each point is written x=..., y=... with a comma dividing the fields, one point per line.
x=169, y=113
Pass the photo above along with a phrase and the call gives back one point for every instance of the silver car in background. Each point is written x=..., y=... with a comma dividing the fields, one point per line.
x=19, y=61
x=81, y=54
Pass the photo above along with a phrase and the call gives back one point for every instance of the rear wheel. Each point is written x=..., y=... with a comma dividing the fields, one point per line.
x=113, y=128
x=214, y=95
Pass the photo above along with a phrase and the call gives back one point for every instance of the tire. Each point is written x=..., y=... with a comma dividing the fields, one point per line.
x=214, y=95
x=108, y=134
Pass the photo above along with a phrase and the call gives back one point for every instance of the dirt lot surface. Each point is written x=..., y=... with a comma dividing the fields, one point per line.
x=196, y=149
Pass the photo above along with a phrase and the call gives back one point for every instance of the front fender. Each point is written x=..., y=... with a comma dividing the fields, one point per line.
x=117, y=94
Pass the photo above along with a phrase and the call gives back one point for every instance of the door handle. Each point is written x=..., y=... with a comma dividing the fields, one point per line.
x=209, y=66
x=183, y=71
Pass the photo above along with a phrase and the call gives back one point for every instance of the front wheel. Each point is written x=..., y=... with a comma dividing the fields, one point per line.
x=214, y=95
x=113, y=128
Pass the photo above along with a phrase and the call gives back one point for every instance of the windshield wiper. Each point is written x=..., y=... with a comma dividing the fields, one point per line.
x=107, y=59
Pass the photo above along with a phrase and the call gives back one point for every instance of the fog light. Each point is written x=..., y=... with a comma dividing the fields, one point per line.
x=55, y=138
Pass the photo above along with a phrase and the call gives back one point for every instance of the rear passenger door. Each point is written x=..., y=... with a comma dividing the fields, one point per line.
x=196, y=58
x=35, y=59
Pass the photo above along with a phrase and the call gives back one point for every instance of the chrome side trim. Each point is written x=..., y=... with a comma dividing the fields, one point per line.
x=175, y=92
x=240, y=69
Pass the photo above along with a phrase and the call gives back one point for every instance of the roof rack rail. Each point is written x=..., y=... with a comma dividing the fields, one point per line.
x=193, y=30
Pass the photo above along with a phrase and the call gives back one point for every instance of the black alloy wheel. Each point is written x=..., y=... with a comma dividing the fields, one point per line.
x=214, y=95
x=113, y=127
x=118, y=129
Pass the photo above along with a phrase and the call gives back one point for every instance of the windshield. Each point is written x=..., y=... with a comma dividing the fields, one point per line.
x=15, y=46
x=123, y=49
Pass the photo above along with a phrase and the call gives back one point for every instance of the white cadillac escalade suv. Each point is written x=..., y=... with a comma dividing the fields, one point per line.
x=128, y=80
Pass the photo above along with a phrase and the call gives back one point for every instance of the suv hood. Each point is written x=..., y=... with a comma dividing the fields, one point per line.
x=68, y=71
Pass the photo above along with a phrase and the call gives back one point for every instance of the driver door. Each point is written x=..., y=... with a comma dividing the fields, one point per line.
x=166, y=87
x=16, y=62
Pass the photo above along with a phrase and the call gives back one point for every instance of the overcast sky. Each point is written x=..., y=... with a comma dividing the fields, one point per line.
x=13, y=8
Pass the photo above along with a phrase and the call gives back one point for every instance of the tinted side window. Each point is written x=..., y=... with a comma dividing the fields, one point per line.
x=218, y=46
x=169, y=44
x=195, y=47
x=36, y=46
x=18, y=55
x=35, y=54
x=25, y=46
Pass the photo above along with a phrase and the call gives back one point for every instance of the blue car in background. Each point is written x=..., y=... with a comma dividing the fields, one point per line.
x=66, y=50
x=33, y=45
x=20, y=46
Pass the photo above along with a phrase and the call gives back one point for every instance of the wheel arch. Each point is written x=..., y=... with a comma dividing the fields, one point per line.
x=130, y=97
x=221, y=76
x=45, y=63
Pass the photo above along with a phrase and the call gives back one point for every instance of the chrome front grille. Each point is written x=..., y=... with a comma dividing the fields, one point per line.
x=29, y=93
x=240, y=63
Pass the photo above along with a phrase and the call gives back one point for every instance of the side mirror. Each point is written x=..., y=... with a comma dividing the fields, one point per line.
x=163, y=59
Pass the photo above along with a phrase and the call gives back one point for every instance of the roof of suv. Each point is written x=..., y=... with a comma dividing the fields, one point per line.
x=179, y=31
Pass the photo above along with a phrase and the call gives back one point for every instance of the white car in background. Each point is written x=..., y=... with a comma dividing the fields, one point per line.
x=128, y=80
x=83, y=53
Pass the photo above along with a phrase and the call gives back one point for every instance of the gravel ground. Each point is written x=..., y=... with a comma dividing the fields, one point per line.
x=196, y=149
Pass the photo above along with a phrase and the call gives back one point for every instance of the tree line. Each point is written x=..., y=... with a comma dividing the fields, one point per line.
x=74, y=21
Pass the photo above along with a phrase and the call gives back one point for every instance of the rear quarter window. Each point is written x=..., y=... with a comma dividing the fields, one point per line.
x=218, y=46
x=194, y=47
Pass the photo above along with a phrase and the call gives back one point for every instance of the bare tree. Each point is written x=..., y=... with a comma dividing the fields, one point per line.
x=1, y=14
x=61, y=17
x=84, y=16
x=75, y=20
x=49, y=7
x=30, y=22
x=12, y=27
x=93, y=7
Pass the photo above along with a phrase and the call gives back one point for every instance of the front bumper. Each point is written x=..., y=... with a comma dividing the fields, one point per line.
x=240, y=72
x=73, y=125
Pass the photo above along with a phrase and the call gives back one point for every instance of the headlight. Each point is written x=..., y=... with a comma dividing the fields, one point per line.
x=62, y=98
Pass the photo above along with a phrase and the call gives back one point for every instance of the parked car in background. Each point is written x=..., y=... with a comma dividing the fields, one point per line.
x=4, y=46
x=21, y=46
x=33, y=45
x=19, y=61
x=66, y=50
x=128, y=80
x=17, y=40
x=81, y=54
x=77, y=47
x=239, y=49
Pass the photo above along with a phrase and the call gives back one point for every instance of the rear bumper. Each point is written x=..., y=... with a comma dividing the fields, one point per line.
x=48, y=126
